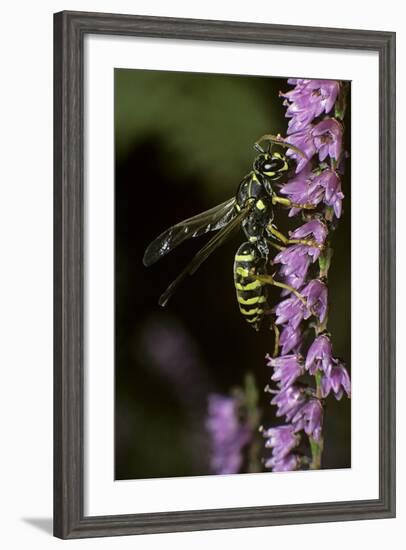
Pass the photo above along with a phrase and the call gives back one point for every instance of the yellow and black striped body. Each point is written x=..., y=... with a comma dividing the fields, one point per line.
x=251, y=294
x=252, y=188
x=257, y=187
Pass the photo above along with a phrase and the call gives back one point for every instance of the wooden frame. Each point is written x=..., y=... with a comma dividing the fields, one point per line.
x=70, y=29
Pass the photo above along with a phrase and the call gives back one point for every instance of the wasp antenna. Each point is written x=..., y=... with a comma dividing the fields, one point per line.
x=278, y=140
x=258, y=148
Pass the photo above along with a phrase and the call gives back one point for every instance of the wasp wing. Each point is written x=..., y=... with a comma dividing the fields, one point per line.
x=204, y=253
x=202, y=223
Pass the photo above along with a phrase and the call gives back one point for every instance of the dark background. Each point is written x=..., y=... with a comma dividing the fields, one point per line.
x=183, y=142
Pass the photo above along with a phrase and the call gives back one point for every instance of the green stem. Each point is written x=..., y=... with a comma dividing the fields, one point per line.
x=325, y=262
x=316, y=446
x=253, y=418
x=317, y=451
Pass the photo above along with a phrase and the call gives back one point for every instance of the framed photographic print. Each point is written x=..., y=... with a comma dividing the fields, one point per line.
x=224, y=274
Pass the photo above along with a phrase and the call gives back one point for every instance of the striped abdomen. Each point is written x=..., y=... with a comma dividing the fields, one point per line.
x=251, y=294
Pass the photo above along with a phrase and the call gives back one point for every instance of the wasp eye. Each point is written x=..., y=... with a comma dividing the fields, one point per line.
x=275, y=165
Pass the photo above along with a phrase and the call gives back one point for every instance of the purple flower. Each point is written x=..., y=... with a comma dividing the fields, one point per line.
x=324, y=138
x=228, y=435
x=292, y=310
x=326, y=93
x=316, y=294
x=288, y=463
x=328, y=138
x=317, y=148
x=308, y=100
x=309, y=418
x=295, y=262
x=282, y=439
x=331, y=183
x=319, y=355
x=303, y=189
x=304, y=141
x=296, y=259
x=287, y=368
x=313, y=188
x=315, y=227
x=290, y=339
x=288, y=401
x=336, y=378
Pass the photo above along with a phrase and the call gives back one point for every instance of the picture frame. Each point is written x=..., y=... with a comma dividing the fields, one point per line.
x=70, y=29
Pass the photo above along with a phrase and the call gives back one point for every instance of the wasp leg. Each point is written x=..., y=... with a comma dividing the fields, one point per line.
x=285, y=240
x=269, y=280
x=276, y=344
x=276, y=199
x=277, y=246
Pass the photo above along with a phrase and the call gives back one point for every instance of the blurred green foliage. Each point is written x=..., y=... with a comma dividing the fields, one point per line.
x=214, y=142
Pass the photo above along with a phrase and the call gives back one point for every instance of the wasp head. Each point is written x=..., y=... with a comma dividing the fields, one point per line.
x=272, y=165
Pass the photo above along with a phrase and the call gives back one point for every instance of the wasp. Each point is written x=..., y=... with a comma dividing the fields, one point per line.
x=252, y=209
